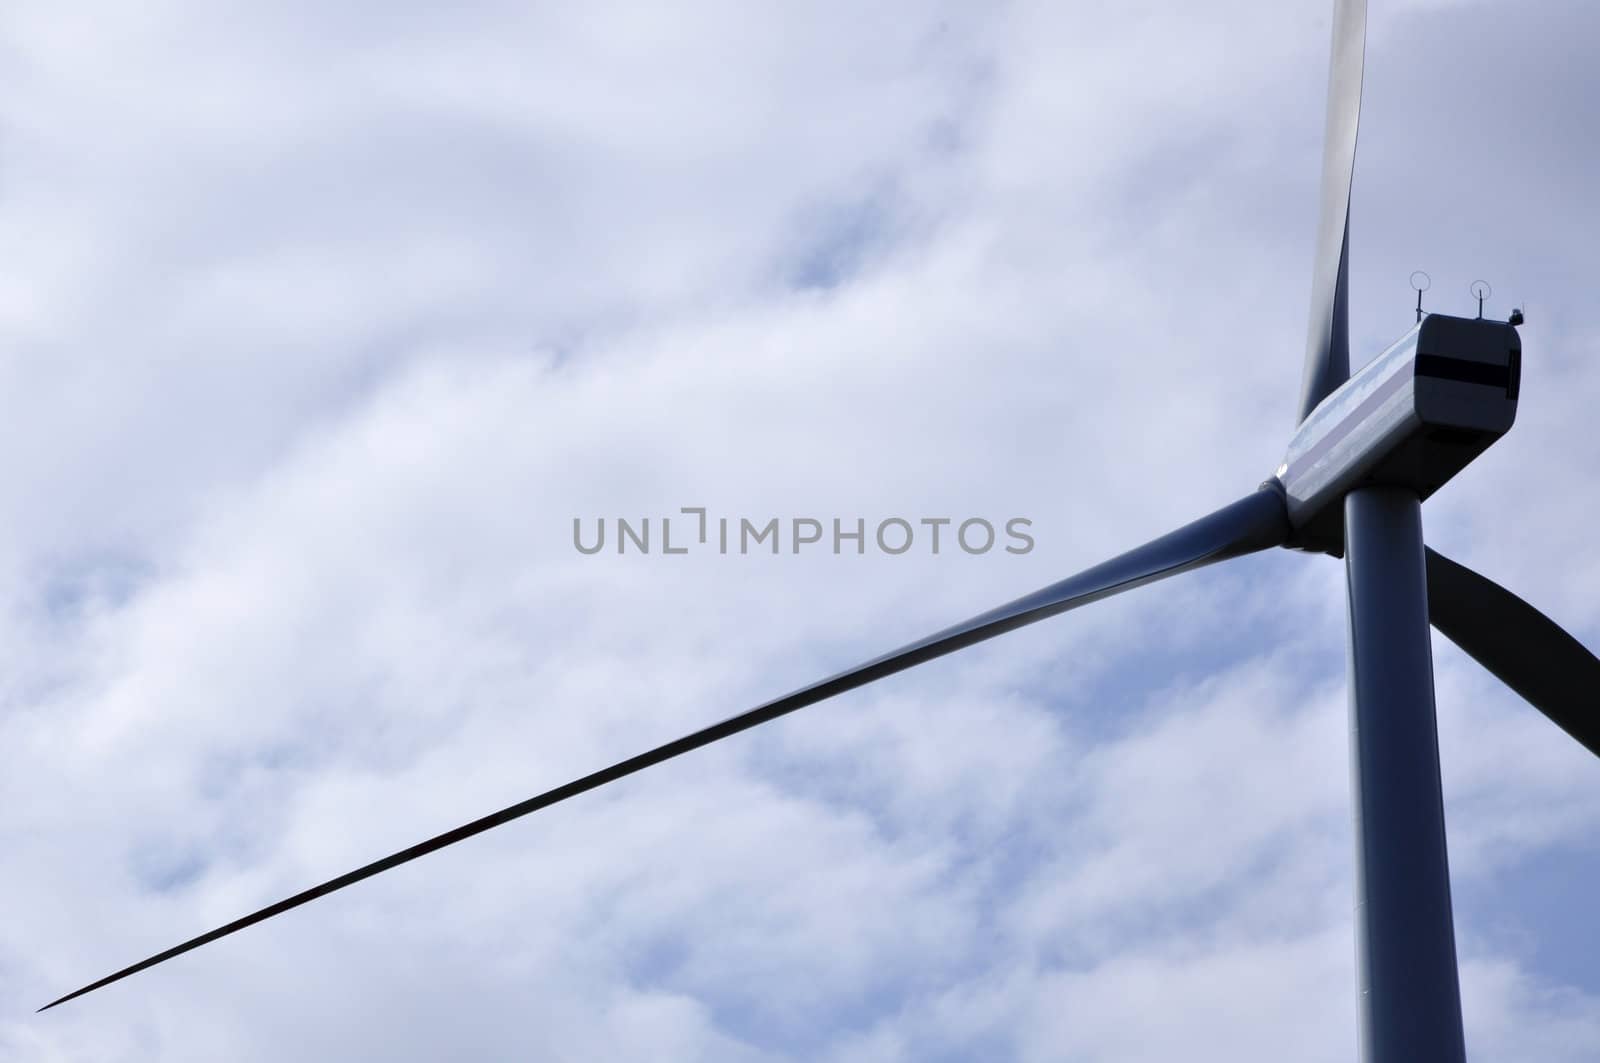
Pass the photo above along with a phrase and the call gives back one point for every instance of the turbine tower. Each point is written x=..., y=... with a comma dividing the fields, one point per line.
x=1366, y=452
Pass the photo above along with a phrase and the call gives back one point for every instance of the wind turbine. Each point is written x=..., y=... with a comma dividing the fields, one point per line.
x=1367, y=451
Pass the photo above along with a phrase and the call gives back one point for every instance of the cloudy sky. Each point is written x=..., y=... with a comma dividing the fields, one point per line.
x=319, y=327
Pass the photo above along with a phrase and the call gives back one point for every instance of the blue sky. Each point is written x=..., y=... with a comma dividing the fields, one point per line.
x=320, y=327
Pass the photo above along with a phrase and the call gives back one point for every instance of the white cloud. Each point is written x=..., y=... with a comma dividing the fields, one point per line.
x=325, y=326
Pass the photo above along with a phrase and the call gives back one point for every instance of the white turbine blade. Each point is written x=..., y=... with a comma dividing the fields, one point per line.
x=1527, y=650
x=1328, y=341
x=1253, y=523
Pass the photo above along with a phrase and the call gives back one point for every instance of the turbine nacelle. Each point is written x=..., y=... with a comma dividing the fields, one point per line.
x=1413, y=417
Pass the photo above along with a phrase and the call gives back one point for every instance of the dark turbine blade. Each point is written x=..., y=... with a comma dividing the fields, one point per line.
x=1250, y=524
x=1328, y=341
x=1527, y=650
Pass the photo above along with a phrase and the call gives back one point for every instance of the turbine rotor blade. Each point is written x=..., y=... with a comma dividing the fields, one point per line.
x=1328, y=340
x=1527, y=650
x=1253, y=523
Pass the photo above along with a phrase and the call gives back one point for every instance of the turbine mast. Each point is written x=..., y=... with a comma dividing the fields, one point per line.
x=1410, y=1000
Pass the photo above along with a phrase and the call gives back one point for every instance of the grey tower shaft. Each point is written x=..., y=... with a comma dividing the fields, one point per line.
x=1405, y=939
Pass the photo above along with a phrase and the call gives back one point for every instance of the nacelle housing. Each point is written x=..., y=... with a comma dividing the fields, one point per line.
x=1414, y=416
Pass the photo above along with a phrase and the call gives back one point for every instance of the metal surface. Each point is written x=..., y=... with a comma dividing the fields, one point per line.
x=1328, y=340
x=1527, y=650
x=1255, y=522
x=1410, y=1002
x=1413, y=417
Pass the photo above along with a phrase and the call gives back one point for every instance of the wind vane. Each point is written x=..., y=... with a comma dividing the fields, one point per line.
x=1480, y=291
x=1420, y=286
